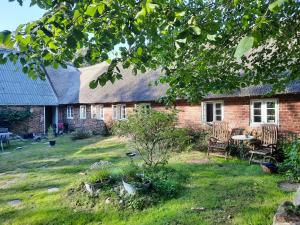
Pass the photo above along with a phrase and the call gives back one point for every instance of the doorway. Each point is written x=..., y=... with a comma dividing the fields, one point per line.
x=51, y=117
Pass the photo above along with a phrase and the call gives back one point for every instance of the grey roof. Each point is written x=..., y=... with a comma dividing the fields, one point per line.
x=16, y=88
x=72, y=86
x=260, y=90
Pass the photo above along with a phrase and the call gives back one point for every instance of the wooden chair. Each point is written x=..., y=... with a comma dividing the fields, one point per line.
x=220, y=138
x=267, y=146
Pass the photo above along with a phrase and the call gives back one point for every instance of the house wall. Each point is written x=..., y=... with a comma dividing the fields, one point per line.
x=34, y=124
x=97, y=126
x=236, y=113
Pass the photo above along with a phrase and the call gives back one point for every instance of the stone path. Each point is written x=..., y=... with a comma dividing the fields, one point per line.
x=53, y=189
x=286, y=186
x=14, y=202
x=9, y=183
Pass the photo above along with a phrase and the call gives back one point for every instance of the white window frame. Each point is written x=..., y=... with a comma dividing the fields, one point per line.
x=82, y=114
x=118, y=112
x=97, y=112
x=70, y=112
x=204, y=117
x=264, y=111
x=142, y=104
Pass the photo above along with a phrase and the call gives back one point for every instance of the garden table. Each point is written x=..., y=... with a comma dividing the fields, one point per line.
x=4, y=137
x=242, y=139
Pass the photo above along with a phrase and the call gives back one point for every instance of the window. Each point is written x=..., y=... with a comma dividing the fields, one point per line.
x=97, y=112
x=145, y=107
x=212, y=111
x=70, y=113
x=82, y=112
x=264, y=111
x=119, y=112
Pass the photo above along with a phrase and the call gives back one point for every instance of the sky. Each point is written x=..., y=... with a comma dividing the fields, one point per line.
x=12, y=14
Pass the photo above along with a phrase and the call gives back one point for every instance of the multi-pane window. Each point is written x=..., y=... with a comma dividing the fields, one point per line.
x=119, y=112
x=70, y=112
x=97, y=112
x=264, y=111
x=143, y=107
x=212, y=111
x=82, y=112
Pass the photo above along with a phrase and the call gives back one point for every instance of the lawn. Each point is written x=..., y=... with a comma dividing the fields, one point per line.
x=231, y=192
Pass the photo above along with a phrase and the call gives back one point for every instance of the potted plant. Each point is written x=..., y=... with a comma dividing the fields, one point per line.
x=51, y=136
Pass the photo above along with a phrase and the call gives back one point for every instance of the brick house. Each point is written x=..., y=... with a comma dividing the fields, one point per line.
x=65, y=97
x=245, y=108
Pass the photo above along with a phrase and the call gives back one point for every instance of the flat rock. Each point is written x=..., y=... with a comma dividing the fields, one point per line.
x=53, y=189
x=199, y=161
x=297, y=198
x=14, y=202
x=286, y=186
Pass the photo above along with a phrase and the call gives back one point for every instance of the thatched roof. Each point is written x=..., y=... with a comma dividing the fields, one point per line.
x=72, y=86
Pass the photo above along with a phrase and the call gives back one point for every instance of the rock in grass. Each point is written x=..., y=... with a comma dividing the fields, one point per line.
x=297, y=198
x=286, y=215
x=19, y=148
x=99, y=165
x=53, y=189
x=14, y=202
x=198, y=209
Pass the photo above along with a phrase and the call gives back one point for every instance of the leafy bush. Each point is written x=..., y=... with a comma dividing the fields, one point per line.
x=51, y=134
x=10, y=116
x=153, y=134
x=199, y=137
x=81, y=134
x=291, y=164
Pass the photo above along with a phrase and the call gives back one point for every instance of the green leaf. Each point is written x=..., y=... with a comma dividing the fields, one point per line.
x=139, y=51
x=101, y=8
x=244, y=46
x=235, y=2
x=179, y=14
x=93, y=84
x=5, y=37
x=274, y=7
x=196, y=30
x=91, y=10
x=211, y=37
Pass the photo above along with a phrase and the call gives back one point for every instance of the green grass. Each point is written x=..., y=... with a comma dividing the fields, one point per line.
x=232, y=192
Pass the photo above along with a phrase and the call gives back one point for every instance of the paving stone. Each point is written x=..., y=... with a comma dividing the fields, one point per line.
x=14, y=202
x=53, y=189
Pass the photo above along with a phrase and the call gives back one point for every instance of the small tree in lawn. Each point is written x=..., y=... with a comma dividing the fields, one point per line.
x=153, y=134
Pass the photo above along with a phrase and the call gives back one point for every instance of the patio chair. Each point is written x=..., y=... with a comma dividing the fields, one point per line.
x=220, y=139
x=268, y=145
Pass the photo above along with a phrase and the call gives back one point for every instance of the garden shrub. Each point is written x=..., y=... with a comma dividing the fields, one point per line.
x=290, y=167
x=153, y=186
x=199, y=137
x=80, y=134
x=153, y=134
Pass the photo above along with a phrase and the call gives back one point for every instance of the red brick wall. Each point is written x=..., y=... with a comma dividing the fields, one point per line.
x=236, y=112
x=94, y=125
x=289, y=113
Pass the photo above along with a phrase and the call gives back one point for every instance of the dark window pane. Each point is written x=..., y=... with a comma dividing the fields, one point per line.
x=257, y=112
x=218, y=112
x=271, y=119
x=257, y=105
x=271, y=112
x=257, y=119
x=209, y=112
x=218, y=105
x=271, y=105
x=218, y=118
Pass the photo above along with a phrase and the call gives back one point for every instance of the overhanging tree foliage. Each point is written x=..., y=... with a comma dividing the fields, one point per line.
x=203, y=46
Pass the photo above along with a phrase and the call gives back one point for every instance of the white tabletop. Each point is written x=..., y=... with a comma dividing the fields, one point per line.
x=243, y=137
